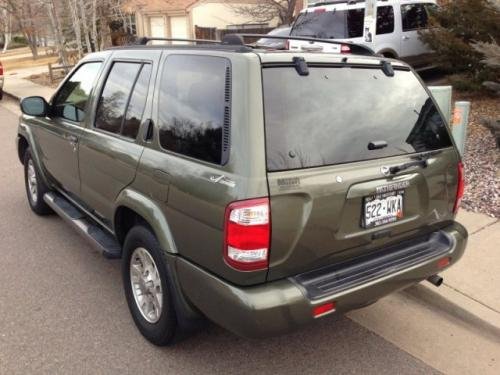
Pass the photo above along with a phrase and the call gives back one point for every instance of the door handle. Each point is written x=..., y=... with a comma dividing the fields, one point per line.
x=406, y=37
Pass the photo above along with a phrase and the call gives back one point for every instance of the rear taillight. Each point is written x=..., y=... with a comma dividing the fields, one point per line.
x=287, y=44
x=460, y=187
x=247, y=234
x=1, y=69
x=345, y=49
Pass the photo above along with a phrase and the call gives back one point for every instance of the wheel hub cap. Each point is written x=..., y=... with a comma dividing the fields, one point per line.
x=32, y=183
x=146, y=285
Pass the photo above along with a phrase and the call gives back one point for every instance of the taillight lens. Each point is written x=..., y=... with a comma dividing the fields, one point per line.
x=287, y=44
x=345, y=49
x=460, y=187
x=247, y=234
x=1, y=69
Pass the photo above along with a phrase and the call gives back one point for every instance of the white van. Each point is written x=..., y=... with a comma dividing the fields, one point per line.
x=398, y=23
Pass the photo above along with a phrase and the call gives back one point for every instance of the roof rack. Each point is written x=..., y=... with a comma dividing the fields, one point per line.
x=236, y=40
x=355, y=48
x=145, y=40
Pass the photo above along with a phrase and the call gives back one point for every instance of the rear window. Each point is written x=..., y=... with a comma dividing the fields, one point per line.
x=330, y=116
x=336, y=24
x=339, y=24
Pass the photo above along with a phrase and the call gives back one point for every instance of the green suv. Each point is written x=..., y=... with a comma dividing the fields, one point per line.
x=260, y=189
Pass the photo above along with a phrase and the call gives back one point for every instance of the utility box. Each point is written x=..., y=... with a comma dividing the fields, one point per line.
x=457, y=118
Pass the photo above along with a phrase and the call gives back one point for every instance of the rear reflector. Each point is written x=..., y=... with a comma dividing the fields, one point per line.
x=324, y=309
x=460, y=187
x=247, y=234
x=345, y=49
x=444, y=262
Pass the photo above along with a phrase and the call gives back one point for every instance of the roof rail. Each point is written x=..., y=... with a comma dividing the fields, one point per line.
x=145, y=40
x=355, y=48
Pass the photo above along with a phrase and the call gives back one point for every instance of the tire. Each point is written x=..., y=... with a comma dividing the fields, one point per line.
x=35, y=186
x=157, y=325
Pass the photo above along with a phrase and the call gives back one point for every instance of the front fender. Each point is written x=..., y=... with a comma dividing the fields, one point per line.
x=152, y=213
x=26, y=132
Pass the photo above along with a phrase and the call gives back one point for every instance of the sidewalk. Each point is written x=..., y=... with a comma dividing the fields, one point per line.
x=17, y=86
x=462, y=317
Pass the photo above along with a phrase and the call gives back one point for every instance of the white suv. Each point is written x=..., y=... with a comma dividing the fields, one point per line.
x=398, y=23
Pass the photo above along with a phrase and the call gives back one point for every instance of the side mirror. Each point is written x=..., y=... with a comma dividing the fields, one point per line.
x=35, y=106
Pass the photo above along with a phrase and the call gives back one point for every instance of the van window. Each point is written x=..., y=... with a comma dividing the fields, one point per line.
x=71, y=100
x=330, y=116
x=194, y=106
x=414, y=16
x=385, y=20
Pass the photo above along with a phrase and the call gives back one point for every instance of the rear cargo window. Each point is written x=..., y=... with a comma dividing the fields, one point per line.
x=336, y=24
x=333, y=114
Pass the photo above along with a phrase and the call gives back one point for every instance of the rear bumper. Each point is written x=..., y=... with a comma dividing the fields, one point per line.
x=281, y=306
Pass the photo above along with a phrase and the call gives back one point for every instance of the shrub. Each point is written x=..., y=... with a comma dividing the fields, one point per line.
x=457, y=28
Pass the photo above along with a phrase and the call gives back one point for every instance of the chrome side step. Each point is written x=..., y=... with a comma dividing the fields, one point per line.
x=102, y=241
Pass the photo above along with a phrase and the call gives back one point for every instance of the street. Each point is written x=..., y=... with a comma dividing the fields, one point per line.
x=62, y=310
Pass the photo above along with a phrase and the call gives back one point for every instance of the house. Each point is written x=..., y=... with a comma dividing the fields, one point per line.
x=192, y=18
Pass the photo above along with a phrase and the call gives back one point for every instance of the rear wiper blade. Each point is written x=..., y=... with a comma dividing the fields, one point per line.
x=422, y=161
x=418, y=163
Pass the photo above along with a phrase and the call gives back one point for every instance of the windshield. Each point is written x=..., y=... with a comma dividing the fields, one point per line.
x=336, y=24
x=333, y=114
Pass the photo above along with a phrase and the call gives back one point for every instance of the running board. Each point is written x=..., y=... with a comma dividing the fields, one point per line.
x=102, y=241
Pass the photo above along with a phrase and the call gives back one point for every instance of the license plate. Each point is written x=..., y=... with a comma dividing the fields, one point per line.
x=383, y=208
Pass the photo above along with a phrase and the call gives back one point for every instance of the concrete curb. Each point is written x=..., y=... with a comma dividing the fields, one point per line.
x=459, y=307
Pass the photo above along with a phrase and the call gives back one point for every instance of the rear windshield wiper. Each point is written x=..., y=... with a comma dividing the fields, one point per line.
x=417, y=163
x=422, y=161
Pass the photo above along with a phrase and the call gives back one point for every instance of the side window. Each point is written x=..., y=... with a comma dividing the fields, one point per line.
x=137, y=103
x=114, y=98
x=355, y=22
x=71, y=100
x=414, y=17
x=195, y=106
x=385, y=20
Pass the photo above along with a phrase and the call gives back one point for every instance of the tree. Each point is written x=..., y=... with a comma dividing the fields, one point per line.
x=25, y=15
x=267, y=10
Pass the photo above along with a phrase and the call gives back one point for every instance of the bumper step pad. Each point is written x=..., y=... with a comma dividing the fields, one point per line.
x=337, y=278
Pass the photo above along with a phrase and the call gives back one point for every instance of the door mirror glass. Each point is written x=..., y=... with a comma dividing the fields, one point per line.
x=34, y=106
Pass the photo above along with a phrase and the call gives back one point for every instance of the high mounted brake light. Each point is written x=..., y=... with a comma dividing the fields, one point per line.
x=460, y=187
x=247, y=234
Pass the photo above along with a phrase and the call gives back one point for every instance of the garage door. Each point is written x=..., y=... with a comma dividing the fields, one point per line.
x=179, y=27
x=157, y=27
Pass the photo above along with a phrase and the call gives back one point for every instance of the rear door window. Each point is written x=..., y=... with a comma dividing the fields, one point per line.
x=123, y=98
x=330, y=116
x=195, y=106
x=414, y=16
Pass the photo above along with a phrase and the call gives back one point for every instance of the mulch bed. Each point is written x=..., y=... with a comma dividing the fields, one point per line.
x=482, y=158
x=43, y=79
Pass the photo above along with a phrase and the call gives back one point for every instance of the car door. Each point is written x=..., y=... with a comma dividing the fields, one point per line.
x=59, y=133
x=414, y=18
x=110, y=147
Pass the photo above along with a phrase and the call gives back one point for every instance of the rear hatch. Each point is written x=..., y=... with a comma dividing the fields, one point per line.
x=357, y=159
